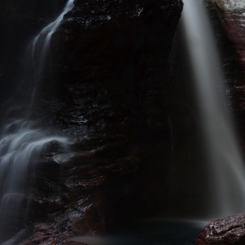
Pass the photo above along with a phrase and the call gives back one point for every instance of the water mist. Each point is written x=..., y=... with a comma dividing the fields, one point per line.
x=226, y=170
x=21, y=143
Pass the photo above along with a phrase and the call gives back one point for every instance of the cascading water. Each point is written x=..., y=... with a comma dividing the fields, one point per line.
x=21, y=143
x=227, y=175
x=40, y=44
x=44, y=37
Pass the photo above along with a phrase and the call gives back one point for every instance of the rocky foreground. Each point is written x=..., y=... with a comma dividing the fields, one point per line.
x=226, y=231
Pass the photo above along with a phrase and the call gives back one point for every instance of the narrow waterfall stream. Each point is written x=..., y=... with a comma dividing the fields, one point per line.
x=225, y=163
x=40, y=44
x=21, y=143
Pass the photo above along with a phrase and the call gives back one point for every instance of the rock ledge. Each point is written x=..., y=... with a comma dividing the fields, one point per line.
x=225, y=231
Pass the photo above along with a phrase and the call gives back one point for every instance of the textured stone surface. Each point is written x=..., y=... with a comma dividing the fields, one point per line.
x=226, y=231
x=233, y=23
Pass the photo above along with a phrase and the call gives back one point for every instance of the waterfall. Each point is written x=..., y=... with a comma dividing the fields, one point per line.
x=225, y=163
x=40, y=44
x=21, y=143
x=45, y=35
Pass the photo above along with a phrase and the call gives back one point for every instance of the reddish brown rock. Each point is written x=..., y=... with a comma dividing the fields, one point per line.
x=226, y=231
x=233, y=22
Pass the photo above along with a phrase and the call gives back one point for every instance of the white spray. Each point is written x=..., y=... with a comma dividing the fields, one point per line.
x=45, y=35
x=21, y=143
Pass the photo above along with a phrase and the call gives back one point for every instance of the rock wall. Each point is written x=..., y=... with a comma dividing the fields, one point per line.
x=231, y=14
x=106, y=86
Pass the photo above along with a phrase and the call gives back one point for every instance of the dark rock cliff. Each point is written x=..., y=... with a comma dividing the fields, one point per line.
x=106, y=86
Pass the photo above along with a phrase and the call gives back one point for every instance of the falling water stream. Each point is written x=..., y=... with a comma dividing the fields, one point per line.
x=225, y=163
x=226, y=175
x=21, y=142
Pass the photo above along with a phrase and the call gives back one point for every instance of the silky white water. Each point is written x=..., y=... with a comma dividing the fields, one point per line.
x=226, y=193
x=21, y=143
x=40, y=45
x=45, y=35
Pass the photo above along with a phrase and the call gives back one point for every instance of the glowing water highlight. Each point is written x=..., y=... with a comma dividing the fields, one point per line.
x=21, y=143
x=227, y=175
x=45, y=35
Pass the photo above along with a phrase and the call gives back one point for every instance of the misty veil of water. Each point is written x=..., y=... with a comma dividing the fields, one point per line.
x=21, y=143
x=225, y=163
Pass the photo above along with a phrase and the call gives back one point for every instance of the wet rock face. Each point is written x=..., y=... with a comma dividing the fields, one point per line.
x=108, y=92
x=226, y=231
x=234, y=24
x=231, y=14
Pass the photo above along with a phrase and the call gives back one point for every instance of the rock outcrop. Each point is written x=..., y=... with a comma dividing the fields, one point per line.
x=231, y=15
x=108, y=92
x=226, y=231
